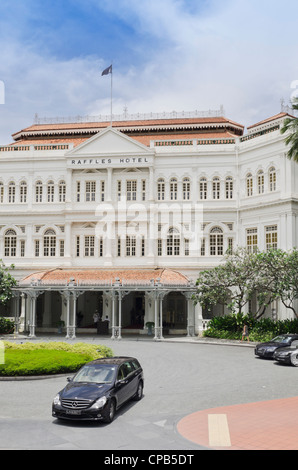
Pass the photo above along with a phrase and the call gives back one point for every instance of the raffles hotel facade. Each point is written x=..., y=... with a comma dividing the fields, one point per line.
x=119, y=219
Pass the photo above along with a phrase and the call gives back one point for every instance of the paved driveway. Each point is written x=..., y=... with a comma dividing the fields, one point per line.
x=184, y=384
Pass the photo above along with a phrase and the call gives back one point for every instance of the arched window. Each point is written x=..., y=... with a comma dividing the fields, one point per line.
x=229, y=187
x=173, y=189
x=260, y=182
x=173, y=242
x=51, y=191
x=161, y=189
x=38, y=191
x=203, y=188
x=216, y=241
x=10, y=243
x=272, y=179
x=11, y=192
x=62, y=191
x=49, y=243
x=249, y=184
x=186, y=189
x=216, y=188
x=23, y=191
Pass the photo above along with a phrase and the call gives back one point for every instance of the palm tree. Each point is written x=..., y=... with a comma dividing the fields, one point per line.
x=291, y=125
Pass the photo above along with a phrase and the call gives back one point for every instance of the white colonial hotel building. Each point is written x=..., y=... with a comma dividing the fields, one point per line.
x=120, y=219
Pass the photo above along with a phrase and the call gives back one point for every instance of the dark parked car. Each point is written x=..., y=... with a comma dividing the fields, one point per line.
x=266, y=350
x=99, y=388
x=287, y=355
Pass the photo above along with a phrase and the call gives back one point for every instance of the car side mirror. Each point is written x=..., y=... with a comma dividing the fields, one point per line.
x=69, y=379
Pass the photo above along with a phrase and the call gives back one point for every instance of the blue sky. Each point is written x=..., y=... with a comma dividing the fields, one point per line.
x=167, y=55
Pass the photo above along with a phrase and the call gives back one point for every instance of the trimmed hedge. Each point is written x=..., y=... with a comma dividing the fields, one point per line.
x=230, y=327
x=6, y=326
x=48, y=358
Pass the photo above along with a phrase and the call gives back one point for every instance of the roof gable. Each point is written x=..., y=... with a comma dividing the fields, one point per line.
x=112, y=142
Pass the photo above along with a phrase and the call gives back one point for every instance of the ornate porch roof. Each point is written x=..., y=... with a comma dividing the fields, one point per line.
x=106, y=277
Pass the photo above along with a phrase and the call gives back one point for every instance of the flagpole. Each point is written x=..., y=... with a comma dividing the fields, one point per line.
x=111, y=97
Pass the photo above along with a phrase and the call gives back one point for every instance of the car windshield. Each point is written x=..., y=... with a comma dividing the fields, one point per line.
x=96, y=373
x=282, y=339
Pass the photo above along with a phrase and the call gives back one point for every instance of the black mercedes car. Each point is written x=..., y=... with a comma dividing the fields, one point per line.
x=266, y=350
x=99, y=388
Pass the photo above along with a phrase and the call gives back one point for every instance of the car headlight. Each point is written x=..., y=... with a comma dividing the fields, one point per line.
x=271, y=349
x=99, y=403
x=56, y=400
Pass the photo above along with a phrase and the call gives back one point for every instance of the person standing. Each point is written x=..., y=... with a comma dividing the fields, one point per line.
x=245, y=333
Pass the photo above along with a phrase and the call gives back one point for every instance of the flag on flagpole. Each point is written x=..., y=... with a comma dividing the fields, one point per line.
x=107, y=70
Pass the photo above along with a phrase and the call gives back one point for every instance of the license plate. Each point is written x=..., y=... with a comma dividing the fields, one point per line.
x=73, y=412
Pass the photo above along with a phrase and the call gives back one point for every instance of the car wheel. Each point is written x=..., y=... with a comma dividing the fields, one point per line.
x=139, y=395
x=109, y=412
x=294, y=360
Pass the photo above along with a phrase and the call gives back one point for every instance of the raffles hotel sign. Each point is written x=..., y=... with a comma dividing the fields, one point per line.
x=112, y=162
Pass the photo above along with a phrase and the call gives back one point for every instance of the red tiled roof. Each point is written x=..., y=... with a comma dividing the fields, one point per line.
x=126, y=276
x=128, y=124
x=272, y=118
x=143, y=139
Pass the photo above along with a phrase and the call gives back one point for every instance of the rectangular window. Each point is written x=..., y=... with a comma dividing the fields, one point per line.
x=23, y=193
x=62, y=192
x=216, y=188
x=62, y=248
x=22, y=248
x=186, y=247
x=36, y=248
x=38, y=192
x=203, y=189
x=159, y=247
x=119, y=190
x=78, y=246
x=89, y=245
x=203, y=247
x=131, y=190
x=50, y=193
x=90, y=191
x=11, y=193
x=252, y=240
x=161, y=190
x=1, y=193
x=49, y=246
x=143, y=246
x=143, y=190
x=216, y=245
x=271, y=237
x=78, y=191
x=229, y=188
x=119, y=246
x=130, y=245
x=100, y=250
x=102, y=187
x=186, y=189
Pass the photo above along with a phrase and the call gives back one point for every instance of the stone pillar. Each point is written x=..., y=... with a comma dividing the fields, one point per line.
x=190, y=314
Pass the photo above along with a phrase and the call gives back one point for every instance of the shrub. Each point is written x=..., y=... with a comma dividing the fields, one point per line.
x=230, y=327
x=49, y=358
x=6, y=326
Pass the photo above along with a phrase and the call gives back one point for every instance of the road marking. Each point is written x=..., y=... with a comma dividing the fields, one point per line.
x=219, y=434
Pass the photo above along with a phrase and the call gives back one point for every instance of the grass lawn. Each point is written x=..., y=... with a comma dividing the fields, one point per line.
x=48, y=358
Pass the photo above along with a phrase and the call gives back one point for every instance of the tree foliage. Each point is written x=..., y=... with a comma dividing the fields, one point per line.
x=7, y=282
x=266, y=275
x=291, y=127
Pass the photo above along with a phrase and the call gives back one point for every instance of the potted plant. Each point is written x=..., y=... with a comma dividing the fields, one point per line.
x=60, y=325
x=150, y=326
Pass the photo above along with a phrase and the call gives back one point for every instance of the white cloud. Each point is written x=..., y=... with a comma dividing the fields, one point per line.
x=236, y=53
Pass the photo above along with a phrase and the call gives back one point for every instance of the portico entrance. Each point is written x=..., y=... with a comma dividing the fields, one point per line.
x=127, y=299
